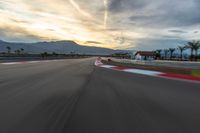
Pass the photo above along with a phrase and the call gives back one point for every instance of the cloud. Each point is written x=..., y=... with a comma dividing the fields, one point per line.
x=166, y=16
x=123, y=5
x=178, y=31
x=18, y=35
x=153, y=44
x=108, y=23
x=93, y=42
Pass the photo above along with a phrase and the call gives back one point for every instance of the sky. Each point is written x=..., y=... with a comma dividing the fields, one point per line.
x=117, y=24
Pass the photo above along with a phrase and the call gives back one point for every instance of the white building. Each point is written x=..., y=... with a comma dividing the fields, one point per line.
x=145, y=55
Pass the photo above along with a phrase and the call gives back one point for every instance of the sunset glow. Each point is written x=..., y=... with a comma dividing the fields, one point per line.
x=119, y=24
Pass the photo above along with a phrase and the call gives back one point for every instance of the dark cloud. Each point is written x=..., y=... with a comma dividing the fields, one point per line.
x=149, y=44
x=19, y=21
x=178, y=31
x=92, y=42
x=17, y=34
x=122, y=5
x=168, y=19
x=170, y=37
x=159, y=13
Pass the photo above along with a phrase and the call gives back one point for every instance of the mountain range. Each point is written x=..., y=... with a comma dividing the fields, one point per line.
x=63, y=47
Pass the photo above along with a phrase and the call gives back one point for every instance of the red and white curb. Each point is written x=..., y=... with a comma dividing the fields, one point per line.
x=148, y=72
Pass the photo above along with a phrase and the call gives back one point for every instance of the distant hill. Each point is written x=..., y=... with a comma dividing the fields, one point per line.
x=56, y=46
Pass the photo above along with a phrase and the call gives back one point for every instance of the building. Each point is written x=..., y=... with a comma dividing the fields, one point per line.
x=145, y=55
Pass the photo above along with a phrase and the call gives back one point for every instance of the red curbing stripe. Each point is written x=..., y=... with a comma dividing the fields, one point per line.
x=149, y=73
x=179, y=76
x=119, y=68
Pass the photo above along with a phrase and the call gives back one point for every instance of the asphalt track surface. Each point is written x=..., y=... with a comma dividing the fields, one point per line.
x=74, y=96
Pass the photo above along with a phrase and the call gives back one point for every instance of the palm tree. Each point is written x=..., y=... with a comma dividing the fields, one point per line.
x=196, y=48
x=193, y=46
x=22, y=50
x=158, y=53
x=166, y=52
x=171, y=50
x=181, y=49
x=9, y=49
x=45, y=54
x=18, y=52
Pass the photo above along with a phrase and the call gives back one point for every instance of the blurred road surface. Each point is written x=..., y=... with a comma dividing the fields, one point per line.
x=74, y=96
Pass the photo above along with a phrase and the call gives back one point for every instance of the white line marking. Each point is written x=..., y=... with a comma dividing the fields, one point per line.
x=10, y=63
x=144, y=72
x=107, y=66
x=27, y=62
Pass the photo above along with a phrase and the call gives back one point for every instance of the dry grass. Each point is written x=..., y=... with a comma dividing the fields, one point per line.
x=196, y=73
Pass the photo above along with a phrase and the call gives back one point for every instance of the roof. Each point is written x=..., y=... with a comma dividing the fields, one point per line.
x=146, y=53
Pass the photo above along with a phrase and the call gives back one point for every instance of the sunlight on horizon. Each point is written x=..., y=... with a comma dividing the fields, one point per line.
x=106, y=23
